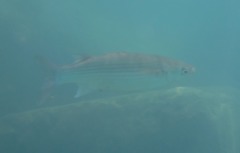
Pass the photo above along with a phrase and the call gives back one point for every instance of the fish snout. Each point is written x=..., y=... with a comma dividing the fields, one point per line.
x=187, y=70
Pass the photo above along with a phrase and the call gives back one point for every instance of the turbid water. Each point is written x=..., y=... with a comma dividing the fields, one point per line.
x=123, y=46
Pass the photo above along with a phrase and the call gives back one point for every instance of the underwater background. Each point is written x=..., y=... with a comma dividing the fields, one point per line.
x=200, y=116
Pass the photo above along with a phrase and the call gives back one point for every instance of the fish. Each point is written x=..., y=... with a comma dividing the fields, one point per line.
x=121, y=71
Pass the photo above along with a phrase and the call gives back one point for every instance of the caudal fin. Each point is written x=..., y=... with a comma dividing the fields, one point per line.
x=49, y=71
x=48, y=68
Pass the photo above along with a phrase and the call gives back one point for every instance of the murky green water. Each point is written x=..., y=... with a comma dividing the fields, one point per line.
x=197, y=113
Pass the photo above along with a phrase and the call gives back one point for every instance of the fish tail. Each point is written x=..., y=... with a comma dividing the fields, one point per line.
x=49, y=71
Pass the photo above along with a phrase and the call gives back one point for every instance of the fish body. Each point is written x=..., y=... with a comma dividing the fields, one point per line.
x=124, y=71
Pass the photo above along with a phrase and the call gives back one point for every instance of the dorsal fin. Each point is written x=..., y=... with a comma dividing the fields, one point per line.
x=80, y=59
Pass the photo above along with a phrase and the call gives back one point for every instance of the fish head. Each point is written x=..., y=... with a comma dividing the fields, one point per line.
x=187, y=69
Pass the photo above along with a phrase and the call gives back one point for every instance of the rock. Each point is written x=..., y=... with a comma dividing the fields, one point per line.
x=177, y=120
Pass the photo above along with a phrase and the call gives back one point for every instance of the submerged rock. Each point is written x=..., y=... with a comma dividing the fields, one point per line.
x=177, y=120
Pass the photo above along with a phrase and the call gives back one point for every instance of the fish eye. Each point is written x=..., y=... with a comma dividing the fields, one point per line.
x=184, y=71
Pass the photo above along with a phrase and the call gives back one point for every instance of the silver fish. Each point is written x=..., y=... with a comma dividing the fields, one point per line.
x=122, y=71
